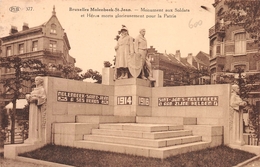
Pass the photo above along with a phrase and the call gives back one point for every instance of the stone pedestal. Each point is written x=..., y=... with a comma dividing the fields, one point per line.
x=158, y=76
x=108, y=76
x=35, y=130
x=238, y=128
x=132, y=96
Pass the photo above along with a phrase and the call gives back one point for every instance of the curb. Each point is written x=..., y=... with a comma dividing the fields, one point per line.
x=41, y=162
x=247, y=161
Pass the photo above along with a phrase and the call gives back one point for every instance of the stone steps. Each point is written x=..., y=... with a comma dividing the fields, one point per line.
x=141, y=127
x=167, y=120
x=162, y=153
x=105, y=119
x=121, y=134
x=149, y=140
x=139, y=134
x=143, y=142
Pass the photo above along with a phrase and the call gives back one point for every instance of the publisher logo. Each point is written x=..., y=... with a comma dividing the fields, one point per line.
x=14, y=9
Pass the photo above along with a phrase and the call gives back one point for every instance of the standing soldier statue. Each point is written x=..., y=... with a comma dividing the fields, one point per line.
x=124, y=49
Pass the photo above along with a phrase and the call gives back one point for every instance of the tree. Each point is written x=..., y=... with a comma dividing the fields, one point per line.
x=95, y=75
x=188, y=76
x=26, y=70
x=245, y=14
x=4, y=122
x=247, y=84
x=67, y=71
x=254, y=123
x=23, y=70
x=107, y=64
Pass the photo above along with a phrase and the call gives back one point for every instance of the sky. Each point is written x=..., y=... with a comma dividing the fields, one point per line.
x=92, y=39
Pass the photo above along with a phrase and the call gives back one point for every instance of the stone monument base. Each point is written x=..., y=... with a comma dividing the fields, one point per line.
x=129, y=116
x=12, y=151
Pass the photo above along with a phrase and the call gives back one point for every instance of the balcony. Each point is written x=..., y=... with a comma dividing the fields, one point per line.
x=218, y=60
x=219, y=27
x=52, y=52
x=36, y=53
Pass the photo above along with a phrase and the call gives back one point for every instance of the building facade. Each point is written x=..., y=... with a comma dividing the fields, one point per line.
x=47, y=42
x=230, y=47
x=174, y=66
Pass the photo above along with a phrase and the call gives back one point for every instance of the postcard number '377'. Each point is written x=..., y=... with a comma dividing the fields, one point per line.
x=15, y=9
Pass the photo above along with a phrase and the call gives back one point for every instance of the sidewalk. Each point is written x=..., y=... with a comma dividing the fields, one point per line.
x=255, y=163
x=15, y=163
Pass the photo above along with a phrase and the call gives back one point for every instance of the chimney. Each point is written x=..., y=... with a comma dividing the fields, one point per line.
x=178, y=55
x=25, y=26
x=189, y=58
x=13, y=30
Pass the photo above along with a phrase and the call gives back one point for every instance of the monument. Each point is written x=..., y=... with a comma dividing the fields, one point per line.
x=140, y=47
x=76, y=110
x=236, y=116
x=36, y=100
x=124, y=49
x=131, y=56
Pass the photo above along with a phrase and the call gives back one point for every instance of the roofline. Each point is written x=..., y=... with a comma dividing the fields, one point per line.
x=67, y=40
x=22, y=32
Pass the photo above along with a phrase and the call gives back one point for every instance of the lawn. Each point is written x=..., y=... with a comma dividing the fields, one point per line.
x=221, y=156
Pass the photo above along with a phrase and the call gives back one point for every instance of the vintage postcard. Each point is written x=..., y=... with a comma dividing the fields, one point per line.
x=163, y=64
x=92, y=25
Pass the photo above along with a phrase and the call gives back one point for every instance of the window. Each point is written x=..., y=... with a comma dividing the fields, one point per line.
x=21, y=48
x=51, y=65
x=240, y=66
x=53, y=29
x=213, y=75
x=8, y=51
x=214, y=48
x=222, y=49
x=172, y=77
x=7, y=70
x=53, y=46
x=27, y=87
x=220, y=12
x=35, y=46
x=240, y=43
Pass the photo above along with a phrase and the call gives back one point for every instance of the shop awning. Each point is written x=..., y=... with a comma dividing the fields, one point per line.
x=20, y=103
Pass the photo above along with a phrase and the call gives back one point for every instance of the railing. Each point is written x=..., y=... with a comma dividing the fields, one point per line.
x=51, y=51
x=252, y=140
x=19, y=136
x=216, y=28
x=39, y=52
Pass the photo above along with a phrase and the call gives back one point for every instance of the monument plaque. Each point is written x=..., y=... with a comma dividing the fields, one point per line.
x=124, y=100
x=144, y=101
x=188, y=101
x=63, y=96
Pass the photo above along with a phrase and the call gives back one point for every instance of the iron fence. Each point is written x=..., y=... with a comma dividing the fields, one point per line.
x=19, y=136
